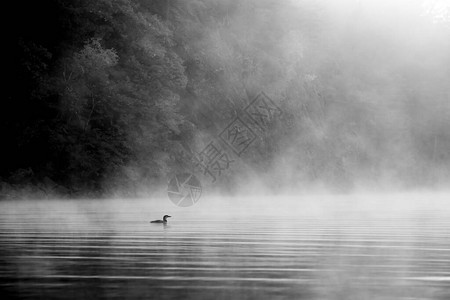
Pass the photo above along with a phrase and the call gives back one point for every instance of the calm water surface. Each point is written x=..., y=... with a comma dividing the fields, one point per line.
x=107, y=249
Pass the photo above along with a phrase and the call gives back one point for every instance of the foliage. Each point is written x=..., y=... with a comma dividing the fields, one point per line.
x=110, y=96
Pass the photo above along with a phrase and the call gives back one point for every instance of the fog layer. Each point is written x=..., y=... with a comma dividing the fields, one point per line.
x=116, y=97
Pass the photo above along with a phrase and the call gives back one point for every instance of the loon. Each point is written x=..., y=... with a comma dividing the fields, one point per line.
x=164, y=220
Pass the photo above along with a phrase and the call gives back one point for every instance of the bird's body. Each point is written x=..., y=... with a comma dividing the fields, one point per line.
x=164, y=220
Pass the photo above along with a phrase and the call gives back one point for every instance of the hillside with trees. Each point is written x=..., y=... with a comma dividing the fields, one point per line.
x=113, y=97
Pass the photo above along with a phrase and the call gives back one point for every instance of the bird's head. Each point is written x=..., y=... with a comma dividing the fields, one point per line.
x=165, y=217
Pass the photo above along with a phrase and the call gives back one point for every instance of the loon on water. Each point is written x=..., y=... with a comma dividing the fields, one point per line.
x=164, y=220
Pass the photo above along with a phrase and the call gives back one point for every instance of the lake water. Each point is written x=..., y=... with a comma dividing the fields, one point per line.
x=386, y=247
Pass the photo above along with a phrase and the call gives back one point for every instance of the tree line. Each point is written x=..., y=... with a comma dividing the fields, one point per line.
x=110, y=97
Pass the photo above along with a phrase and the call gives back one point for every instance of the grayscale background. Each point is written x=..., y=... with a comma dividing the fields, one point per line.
x=301, y=148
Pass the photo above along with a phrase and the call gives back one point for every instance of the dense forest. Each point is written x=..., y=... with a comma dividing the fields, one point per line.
x=113, y=97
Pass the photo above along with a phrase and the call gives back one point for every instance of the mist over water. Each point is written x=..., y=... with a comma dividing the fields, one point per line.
x=300, y=248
